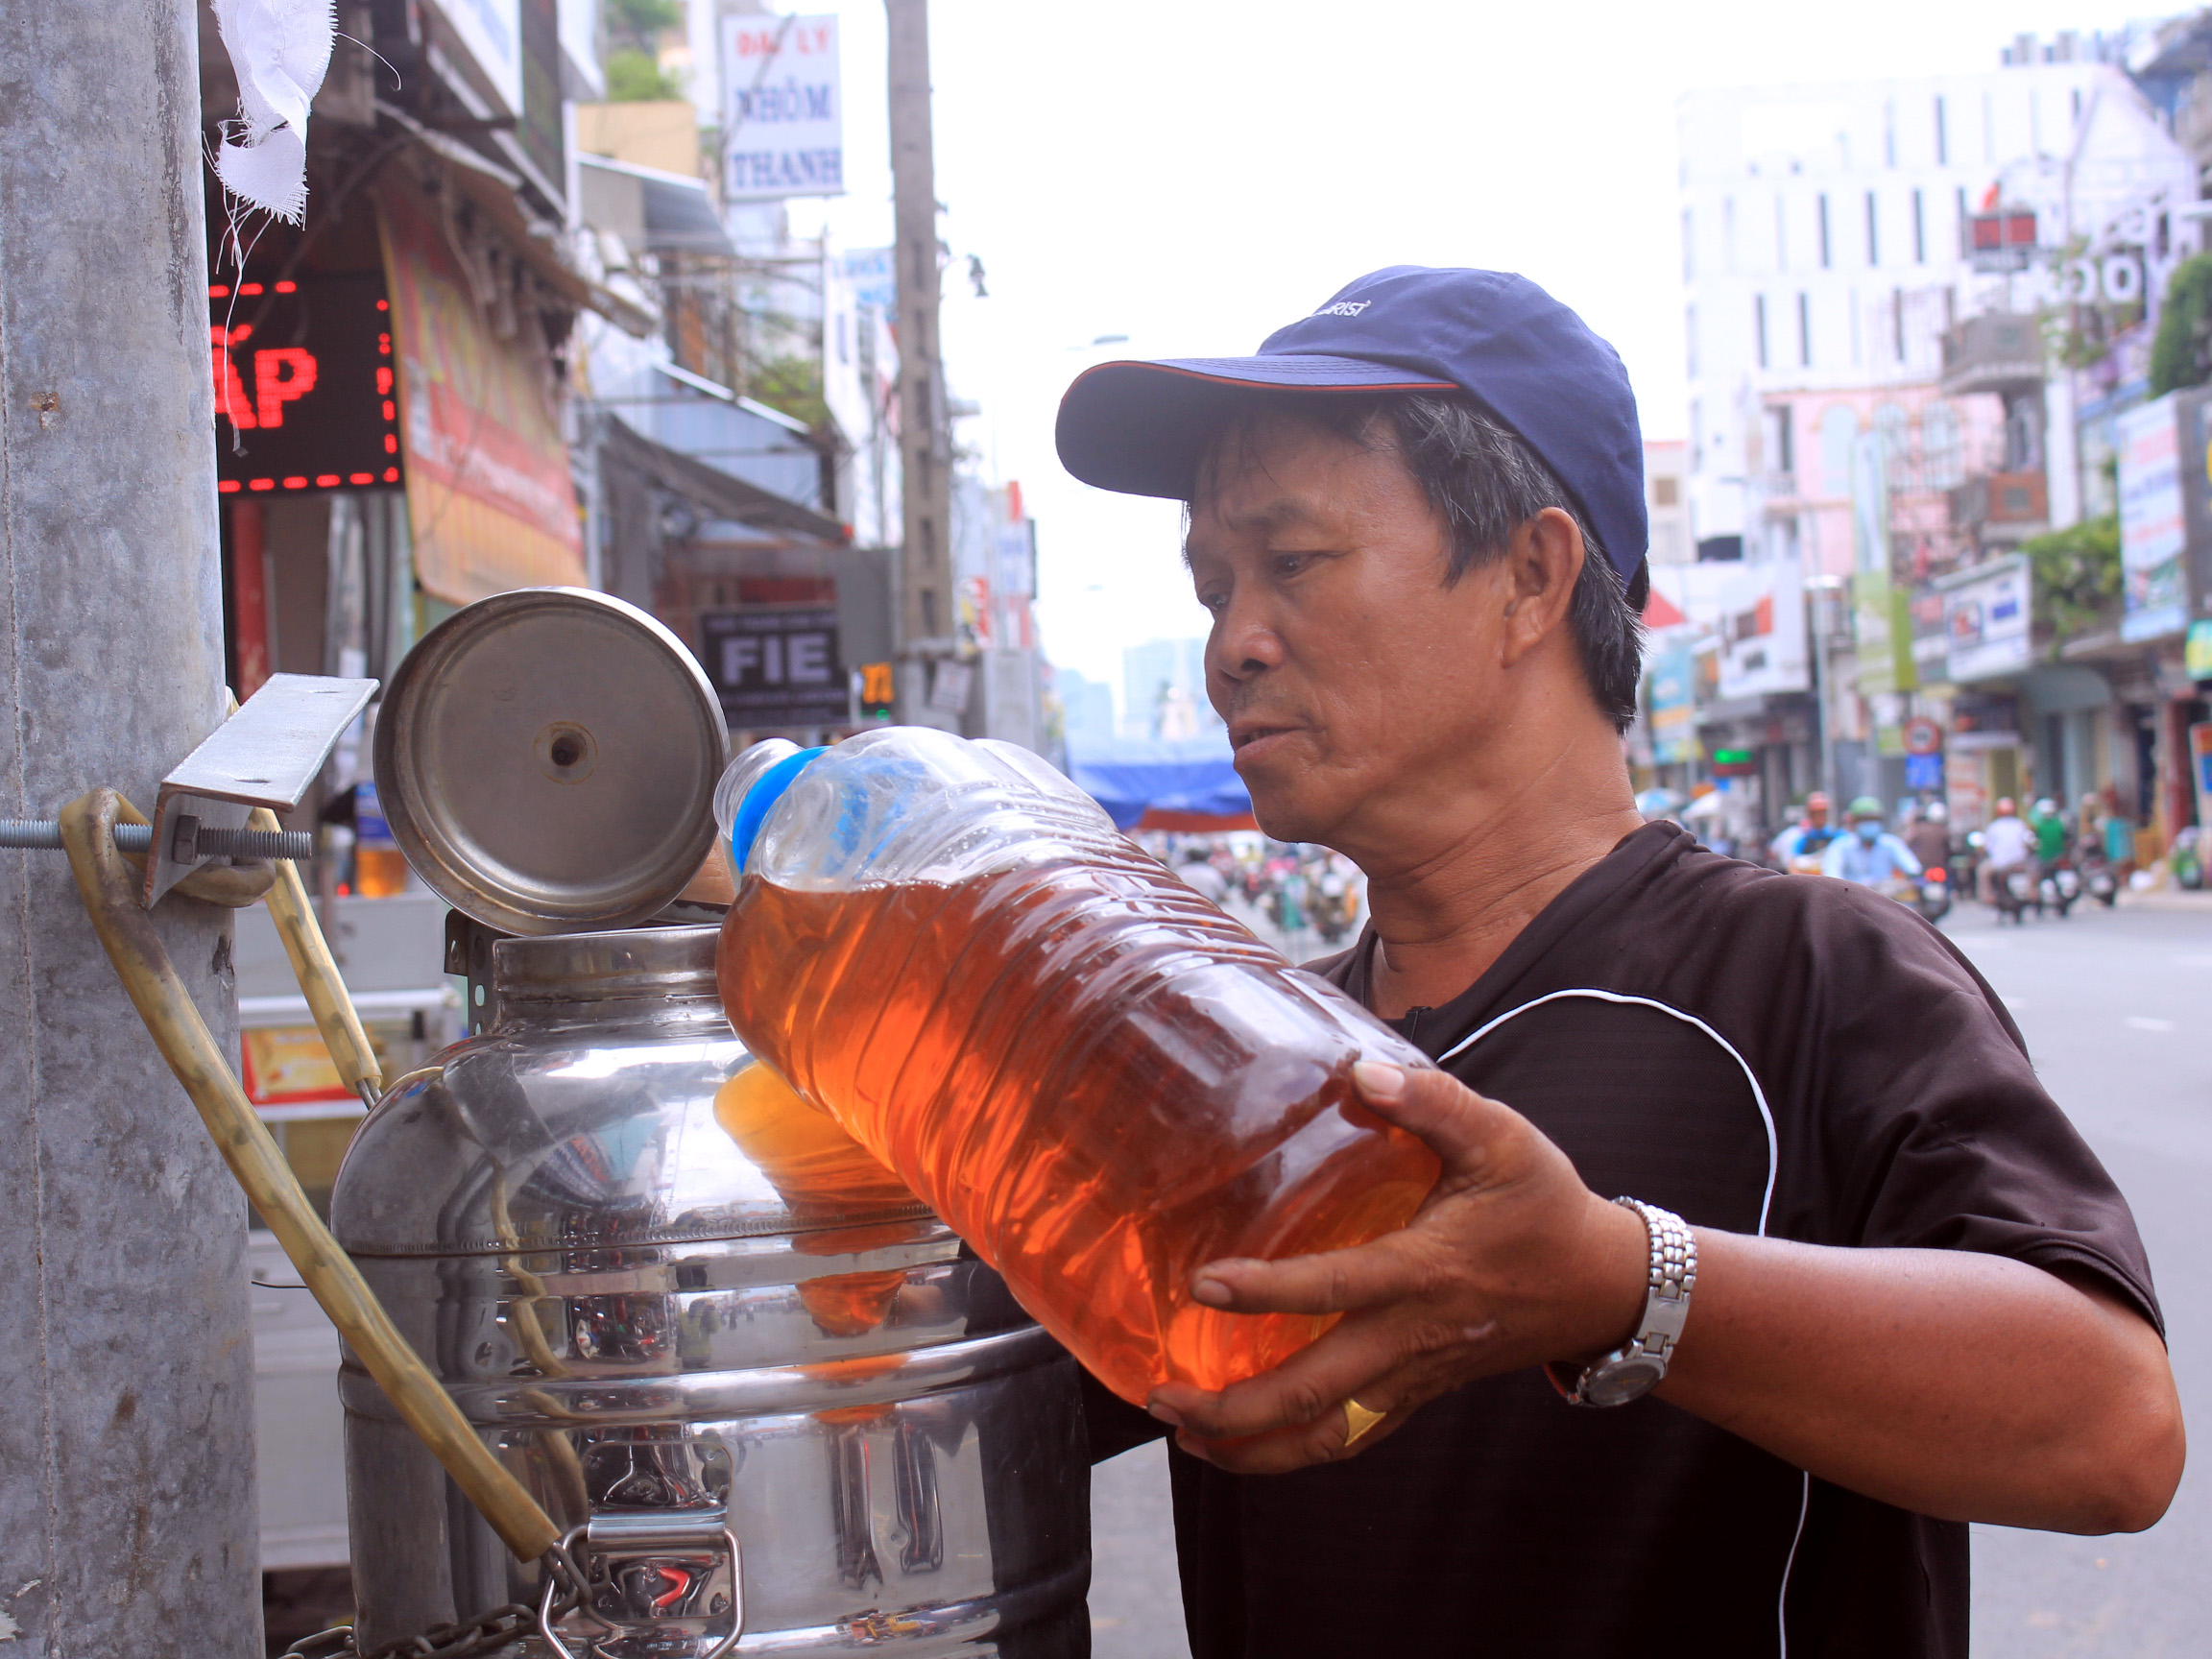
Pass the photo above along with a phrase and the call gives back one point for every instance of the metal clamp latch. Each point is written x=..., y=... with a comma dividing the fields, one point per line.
x=635, y=1568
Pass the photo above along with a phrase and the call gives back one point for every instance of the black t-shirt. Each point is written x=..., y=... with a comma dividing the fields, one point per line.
x=1771, y=1054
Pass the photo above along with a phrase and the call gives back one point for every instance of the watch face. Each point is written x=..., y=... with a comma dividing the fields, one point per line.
x=1616, y=1382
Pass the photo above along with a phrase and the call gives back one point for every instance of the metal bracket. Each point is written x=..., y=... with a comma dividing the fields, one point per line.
x=266, y=755
x=621, y=1561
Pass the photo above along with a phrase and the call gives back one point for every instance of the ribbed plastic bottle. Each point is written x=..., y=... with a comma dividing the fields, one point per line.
x=1098, y=1079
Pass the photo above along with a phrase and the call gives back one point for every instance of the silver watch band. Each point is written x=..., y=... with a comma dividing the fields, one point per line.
x=1638, y=1365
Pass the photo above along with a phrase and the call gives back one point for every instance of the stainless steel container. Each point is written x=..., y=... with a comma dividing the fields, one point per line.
x=652, y=1313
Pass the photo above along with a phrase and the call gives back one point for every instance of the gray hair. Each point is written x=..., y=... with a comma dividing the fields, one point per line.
x=1483, y=482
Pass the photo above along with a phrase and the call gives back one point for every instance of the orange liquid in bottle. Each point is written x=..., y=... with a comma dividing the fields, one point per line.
x=1098, y=1079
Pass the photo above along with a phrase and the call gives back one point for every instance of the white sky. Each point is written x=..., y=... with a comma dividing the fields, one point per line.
x=1196, y=175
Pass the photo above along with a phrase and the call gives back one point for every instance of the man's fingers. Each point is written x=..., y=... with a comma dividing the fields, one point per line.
x=1329, y=1282
x=1457, y=1123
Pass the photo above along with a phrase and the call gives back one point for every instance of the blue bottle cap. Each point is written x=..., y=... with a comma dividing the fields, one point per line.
x=753, y=811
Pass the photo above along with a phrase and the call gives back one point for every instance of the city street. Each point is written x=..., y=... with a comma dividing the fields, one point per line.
x=2112, y=1004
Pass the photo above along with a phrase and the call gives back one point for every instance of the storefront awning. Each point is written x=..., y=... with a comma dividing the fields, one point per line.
x=649, y=210
x=710, y=488
x=1191, y=779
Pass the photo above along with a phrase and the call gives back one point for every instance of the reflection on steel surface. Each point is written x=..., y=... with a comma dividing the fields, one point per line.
x=615, y=1287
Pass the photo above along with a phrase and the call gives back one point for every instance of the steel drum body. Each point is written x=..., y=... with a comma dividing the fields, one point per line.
x=636, y=1318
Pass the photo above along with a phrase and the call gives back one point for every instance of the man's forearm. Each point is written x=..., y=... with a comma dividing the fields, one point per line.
x=1961, y=1386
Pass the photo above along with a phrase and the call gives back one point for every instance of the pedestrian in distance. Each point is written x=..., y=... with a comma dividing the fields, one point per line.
x=1864, y=1285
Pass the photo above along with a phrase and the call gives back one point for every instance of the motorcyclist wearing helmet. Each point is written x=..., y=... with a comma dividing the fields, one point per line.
x=2006, y=844
x=2050, y=832
x=1930, y=838
x=1870, y=855
x=1809, y=839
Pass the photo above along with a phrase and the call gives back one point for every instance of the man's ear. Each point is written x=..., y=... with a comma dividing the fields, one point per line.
x=1543, y=564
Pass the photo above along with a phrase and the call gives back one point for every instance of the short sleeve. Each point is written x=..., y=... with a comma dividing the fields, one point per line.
x=1932, y=1131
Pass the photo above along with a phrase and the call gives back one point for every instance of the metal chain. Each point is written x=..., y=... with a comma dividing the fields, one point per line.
x=477, y=1637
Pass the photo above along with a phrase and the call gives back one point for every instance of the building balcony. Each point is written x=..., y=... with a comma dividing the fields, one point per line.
x=2001, y=505
x=2000, y=351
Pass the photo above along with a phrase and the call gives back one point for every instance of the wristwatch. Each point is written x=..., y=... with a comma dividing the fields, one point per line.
x=1635, y=1367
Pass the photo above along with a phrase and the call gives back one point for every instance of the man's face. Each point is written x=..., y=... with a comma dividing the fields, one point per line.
x=1351, y=677
x=1816, y=816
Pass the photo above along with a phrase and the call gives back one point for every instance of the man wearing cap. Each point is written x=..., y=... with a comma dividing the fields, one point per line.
x=1761, y=1262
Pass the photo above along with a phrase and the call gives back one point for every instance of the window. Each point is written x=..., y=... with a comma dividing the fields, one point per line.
x=1919, y=231
x=1805, y=330
x=1822, y=211
x=1666, y=491
x=1785, y=438
x=1839, y=430
x=1759, y=328
x=1943, y=138
x=1873, y=236
x=1897, y=321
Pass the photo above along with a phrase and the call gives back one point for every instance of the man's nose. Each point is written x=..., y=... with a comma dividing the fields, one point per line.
x=1242, y=644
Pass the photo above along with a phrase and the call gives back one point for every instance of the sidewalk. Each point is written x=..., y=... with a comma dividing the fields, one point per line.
x=2167, y=898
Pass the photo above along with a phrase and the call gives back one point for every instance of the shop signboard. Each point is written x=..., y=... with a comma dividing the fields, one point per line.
x=490, y=501
x=775, y=665
x=1672, y=692
x=1986, y=616
x=2154, y=528
x=2197, y=651
x=1882, y=626
x=2194, y=418
x=491, y=32
x=1762, y=631
x=783, y=113
x=304, y=385
x=874, y=278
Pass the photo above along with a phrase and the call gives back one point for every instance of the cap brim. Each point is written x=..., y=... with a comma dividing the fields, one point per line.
x=1140, y=428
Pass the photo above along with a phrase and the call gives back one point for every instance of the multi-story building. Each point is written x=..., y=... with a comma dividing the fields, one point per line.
x=1888, y=288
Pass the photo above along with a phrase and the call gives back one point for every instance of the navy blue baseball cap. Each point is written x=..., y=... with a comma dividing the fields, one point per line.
x=1140, y=428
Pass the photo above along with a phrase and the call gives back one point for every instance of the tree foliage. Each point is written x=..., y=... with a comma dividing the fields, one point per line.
x=2077, y=576
x=791, y=385
x=641, y=23
x=2182, y=353
x=633, y=76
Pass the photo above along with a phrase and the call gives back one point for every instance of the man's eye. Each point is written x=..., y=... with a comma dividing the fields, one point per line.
x=1213, y=598
x=1289, y=563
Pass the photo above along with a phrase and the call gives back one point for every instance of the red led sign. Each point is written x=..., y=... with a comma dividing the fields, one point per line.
x=303, y=388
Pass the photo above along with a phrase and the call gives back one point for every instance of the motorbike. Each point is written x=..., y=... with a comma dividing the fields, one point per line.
x=1932, y=893
x=2057, y=884
x=2016, y=892
x=1929, y=893
x=2098, y=877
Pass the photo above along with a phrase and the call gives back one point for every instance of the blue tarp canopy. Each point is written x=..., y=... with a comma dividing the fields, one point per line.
x=1182, y=775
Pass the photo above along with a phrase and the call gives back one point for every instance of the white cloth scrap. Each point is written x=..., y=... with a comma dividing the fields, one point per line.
x=281, y=50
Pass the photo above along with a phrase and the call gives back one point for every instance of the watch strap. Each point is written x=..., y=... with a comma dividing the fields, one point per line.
x=1672, y=1274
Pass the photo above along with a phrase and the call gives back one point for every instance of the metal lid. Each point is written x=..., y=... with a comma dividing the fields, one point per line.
x=546, y=761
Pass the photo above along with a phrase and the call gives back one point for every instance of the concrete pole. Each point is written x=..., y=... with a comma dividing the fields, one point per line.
x=127, y=1496
x=926, y=599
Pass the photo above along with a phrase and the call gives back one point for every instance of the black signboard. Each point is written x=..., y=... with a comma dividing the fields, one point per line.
x=305, y=398
x=775, y=665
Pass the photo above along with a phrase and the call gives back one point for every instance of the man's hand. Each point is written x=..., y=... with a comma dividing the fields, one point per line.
x=1956, y=1384
x=1512, y=1261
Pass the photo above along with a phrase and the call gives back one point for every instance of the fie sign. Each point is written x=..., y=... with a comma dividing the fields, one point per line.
x=784, y=110
x=776, y=666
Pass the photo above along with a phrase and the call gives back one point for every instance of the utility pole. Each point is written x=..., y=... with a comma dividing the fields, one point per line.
x=127, y=1492
x=925, y=437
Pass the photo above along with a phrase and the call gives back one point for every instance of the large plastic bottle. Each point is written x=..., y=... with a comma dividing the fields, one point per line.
x=1097, y=1078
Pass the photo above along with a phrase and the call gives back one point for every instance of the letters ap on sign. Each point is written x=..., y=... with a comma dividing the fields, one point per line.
x=782, y=107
